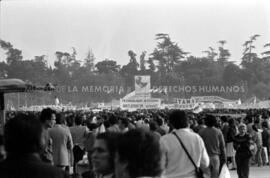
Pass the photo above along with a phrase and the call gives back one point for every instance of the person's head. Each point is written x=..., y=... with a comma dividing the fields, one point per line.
x=103, y=153
x=70, y=120
x=201, y=121
x=84, y=118
x=242, y=129
x=112, y=119
x=60, y=118
x=91, y=126
x=153, y=126
x=138, y=154
x=224, y=119
x=257, y=122
x=249, y=118
x=159, y=121
x=231, y=122
x=23, y=135
x=210, y=121
x=78, y=120
x=47, y=117
x=123, y=123
x=265, y=116
x=265, y=125
x=179, y=119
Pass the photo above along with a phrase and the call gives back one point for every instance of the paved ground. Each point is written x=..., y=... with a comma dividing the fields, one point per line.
x=255, y=172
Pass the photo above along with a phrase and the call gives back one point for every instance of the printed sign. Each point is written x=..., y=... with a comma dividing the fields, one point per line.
x=142, y=85
x=131, y=104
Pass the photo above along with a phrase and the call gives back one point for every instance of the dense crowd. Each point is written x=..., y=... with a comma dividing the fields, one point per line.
x=144, y=143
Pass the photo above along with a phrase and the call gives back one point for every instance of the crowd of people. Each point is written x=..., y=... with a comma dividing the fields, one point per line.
x=143, y=143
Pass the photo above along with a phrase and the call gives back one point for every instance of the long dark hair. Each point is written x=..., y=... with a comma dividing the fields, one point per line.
x=22, y=134
x=141, y=150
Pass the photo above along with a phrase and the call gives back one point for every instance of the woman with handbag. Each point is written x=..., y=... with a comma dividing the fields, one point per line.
x=242, y=145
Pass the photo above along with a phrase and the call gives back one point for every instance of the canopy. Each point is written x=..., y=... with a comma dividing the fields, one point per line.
x=17, y=85
x=14, y=86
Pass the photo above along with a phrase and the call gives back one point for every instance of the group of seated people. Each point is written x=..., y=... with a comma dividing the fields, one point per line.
x=118, y=145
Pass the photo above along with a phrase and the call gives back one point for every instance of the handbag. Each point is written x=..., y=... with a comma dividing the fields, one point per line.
x=253, y=148
x=198, y=170
x=224, y=173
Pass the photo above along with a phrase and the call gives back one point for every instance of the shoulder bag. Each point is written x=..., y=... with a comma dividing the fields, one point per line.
x=198, y=170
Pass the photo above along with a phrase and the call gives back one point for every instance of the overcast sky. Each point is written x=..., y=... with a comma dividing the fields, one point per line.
x=112, y=28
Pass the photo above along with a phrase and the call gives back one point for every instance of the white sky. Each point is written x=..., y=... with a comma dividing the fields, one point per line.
x=111, y=28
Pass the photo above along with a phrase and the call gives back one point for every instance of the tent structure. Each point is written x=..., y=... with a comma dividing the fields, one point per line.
x=15, y=86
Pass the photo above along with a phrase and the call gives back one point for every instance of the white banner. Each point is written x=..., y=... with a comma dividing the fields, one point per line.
x=131, y=104
x=205, y=102
x=264, y=104
x=184, y=106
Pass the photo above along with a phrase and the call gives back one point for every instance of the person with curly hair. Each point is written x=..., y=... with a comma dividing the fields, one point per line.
x=24, y=139
x=138, y=154
x=103, y=154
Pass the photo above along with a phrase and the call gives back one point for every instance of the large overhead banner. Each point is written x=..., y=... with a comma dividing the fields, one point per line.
x=142, y=86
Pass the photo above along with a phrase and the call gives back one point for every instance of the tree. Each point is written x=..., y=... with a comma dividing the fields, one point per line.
x=152, y=66
x=13, y=54
x=5, y=45
x=161, y=62
x=258, y=68
x=3, y=70
x=89, y=61
x=266, y=54
x=200, y=71
x=40, y=66
x=224, y=54
x=66, y=58
x=67, y=68
x=211, y=54
x=261, y=90
x=232, y=74
x=248, y=54
x=107, y=66
x=167, y=54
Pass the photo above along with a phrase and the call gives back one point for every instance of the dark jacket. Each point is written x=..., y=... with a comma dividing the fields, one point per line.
x=241, y=144
x=231, y=134
x=28, y=166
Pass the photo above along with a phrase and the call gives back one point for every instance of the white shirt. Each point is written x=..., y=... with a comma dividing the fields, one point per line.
x=175, y=161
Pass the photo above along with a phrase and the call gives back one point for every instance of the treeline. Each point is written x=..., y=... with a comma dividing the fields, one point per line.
x=167, y=64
